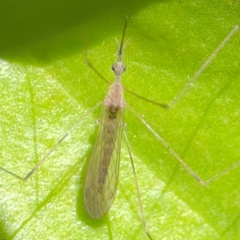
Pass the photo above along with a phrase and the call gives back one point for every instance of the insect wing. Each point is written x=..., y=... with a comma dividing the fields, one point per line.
x=102, y=176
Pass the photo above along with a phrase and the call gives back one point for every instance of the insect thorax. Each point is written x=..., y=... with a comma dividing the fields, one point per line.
x=114, y=100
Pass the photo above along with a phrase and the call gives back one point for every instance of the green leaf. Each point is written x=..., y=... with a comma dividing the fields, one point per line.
x=46, y=88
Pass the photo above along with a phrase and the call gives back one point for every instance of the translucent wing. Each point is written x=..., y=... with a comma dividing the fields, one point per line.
x=102, y=176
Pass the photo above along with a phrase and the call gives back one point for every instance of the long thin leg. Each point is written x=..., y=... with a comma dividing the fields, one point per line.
x=176, y=156
x=45, y=157
x=206, y=63
x=137, y=189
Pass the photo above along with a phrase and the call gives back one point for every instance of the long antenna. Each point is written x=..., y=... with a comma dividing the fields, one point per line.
x=120, y=50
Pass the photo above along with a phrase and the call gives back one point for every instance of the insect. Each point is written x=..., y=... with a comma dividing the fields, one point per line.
x=102, y=177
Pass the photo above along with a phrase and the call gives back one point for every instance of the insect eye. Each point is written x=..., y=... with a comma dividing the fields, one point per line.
x=118, y=67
